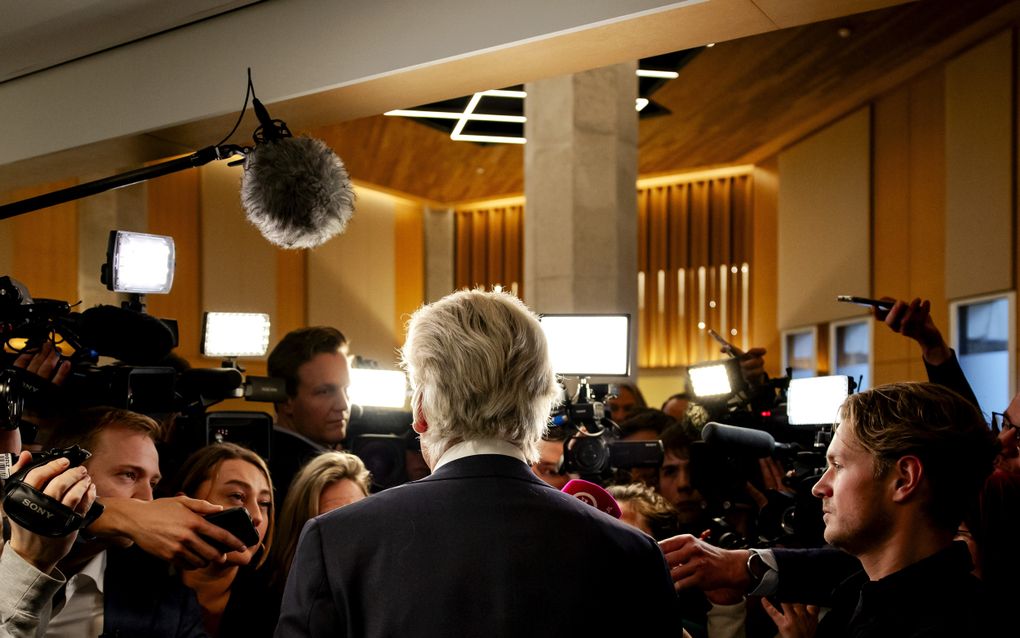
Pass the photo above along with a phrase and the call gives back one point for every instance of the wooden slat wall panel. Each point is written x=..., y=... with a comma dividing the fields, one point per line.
x=693, y=239
x=489, y=249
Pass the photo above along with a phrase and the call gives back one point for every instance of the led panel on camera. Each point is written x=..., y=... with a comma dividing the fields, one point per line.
x=139, y=263
x=816, y=401
x=235, y=334
x=710, y=380
x=377, y=388
x=588, y=345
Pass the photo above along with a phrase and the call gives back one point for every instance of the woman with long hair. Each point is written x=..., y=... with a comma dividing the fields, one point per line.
x=232, y=476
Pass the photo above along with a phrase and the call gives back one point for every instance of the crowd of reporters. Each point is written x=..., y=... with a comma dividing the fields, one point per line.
x=153, y=562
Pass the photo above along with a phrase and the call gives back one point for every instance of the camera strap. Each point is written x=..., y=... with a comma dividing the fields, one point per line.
x=43, y=514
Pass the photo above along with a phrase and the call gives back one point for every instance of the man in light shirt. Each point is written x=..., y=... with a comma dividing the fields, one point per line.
x=112, y=588
x=481, y=547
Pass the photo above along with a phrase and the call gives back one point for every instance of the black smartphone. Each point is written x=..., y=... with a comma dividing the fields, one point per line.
x=237, y=521
x=864, y=301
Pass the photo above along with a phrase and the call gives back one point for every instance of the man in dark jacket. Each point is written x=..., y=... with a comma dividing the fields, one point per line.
x=481, y=547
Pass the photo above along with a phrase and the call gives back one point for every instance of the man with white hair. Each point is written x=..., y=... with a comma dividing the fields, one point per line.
x=481, y=547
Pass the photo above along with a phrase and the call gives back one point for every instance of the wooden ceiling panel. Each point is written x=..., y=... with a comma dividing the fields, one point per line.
x=737, y=102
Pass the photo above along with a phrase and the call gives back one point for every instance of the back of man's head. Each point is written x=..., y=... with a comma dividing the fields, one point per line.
x=84, y=430
x=479, y=366
x=939, y=427
x=300, y=346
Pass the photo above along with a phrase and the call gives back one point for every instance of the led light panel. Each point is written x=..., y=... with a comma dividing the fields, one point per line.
x=140, y=263
x=816, y=401
x=378, y=388
x=588, y=345
x=235, y=334
x=710, y=381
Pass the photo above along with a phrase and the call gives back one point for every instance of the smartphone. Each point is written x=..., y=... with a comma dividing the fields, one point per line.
x=864, y=301
x=728, y=347
x=237, y=521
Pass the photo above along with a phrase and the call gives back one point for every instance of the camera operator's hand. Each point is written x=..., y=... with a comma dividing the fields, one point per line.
x=752, y=366
x=772, y=476
x=795, y=620
x=913, y=319
x=173, y=529
x=72, y=487
x=46, y=363
x=720, y=573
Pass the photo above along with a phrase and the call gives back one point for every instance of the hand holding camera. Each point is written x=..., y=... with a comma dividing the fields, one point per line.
x=71, y=487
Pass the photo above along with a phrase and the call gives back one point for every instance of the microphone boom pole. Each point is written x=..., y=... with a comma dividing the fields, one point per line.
x=78, y=191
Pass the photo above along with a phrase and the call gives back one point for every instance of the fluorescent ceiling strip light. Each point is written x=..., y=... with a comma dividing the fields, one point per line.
x=442, y=115
x=651, y=73
x=488, y=138
x=464, y=116
x=446, y=115
x=504, y=93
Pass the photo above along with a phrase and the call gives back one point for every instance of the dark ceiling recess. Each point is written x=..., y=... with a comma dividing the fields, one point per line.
x=514, y=106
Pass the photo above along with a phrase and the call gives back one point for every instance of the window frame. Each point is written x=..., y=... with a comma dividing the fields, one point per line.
x=785, y=354
x=1011, y=338
x=868, y=321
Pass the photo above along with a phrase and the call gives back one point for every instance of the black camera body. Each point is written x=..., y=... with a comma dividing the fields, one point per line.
x=591, y=440
x=39, y=513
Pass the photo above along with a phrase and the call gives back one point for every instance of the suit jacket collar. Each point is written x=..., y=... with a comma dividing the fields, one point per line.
x=486, y=465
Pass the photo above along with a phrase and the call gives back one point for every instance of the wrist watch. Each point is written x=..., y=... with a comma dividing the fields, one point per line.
x=762, y=571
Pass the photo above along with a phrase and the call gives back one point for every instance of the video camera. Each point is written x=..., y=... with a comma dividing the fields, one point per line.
x=36, y=511
x=788, y=419
x=591, y=445
x=146, y=376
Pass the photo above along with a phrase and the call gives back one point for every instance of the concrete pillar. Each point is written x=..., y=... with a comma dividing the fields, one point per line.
x=439, y=253
x=580, y=167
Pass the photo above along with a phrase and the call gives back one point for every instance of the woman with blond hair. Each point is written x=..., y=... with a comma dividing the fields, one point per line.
x=327, y=482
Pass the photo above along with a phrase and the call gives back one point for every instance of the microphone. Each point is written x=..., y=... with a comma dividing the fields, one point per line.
x=594, y=495
x=756, y=442
x=126, y=335
x=294, y=190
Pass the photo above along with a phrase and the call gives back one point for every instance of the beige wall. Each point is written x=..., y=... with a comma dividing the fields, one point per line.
x=979, y=169
x=824, y=222
x=351, y=280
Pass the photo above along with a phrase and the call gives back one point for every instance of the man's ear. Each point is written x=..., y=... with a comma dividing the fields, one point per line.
x=285, y=409
x=908, y=473
x=420, y=425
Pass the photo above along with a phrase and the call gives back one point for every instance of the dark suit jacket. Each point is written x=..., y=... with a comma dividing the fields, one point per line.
x=141, y=598
x=481, y=547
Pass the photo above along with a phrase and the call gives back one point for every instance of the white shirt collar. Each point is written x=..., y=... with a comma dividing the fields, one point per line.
x=95, y=569
x=484, y=446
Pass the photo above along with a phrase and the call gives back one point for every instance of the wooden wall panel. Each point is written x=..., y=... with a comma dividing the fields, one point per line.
x=891, y=223
x=409, y=269
x=765, y=276
x=44, y=246
x=927, y=203
x=174, y=208
x=291, y=291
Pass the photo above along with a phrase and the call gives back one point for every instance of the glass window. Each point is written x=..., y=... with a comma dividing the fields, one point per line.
x=982, y=334
x=799, y=353
x=851, y=353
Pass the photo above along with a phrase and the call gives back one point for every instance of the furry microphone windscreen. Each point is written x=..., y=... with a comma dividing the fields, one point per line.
x=296, y=192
